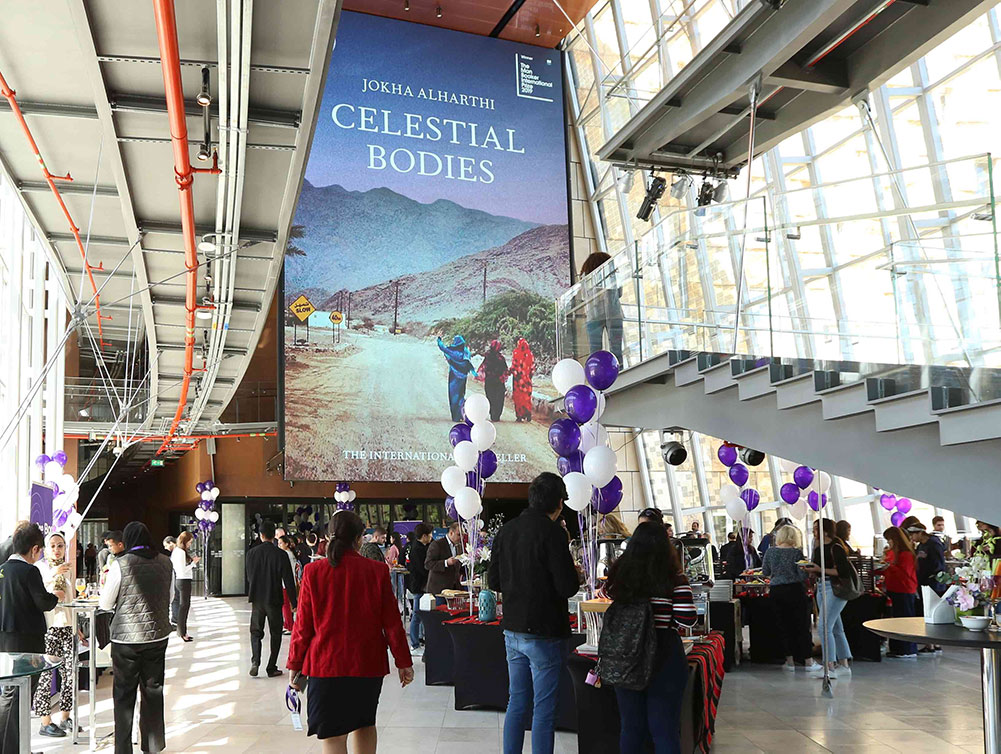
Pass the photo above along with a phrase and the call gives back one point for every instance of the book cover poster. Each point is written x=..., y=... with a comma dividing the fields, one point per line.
x=430, y=242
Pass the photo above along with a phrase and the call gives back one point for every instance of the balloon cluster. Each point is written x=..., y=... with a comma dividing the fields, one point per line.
x=802, y=478
x=902, y=504
x=587, y=464
x=344, y=496
x=302, y=516
x=64, y=487
x=475, y=462
x=738, y=498
x=206, y=513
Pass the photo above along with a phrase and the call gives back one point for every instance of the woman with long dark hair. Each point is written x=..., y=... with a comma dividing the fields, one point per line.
x=650, y=569
x=832, y=632
x=347, y=617
x=184, y=571
x=494, y=368
x=137, y=588
x=901, y=583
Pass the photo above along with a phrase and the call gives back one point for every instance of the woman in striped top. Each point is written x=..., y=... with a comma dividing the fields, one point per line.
x=650, y=569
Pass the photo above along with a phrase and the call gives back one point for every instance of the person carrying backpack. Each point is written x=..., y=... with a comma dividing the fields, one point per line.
x=640, y=652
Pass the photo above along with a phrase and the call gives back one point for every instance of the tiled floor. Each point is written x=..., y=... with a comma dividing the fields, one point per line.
x=213, y=706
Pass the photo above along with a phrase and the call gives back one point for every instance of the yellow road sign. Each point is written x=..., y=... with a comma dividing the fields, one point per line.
x=336, y=318
x=301, y=308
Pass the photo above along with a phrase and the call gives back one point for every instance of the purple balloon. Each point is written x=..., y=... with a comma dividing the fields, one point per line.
x=904, y=505
x=471, y=481
x=607, y=499
x=581, y=402
x=897, y=518
x=61, y=517
x=60, y=457
x=727, y=455
x=789, y=493
x=487, y=464
x=450, y=508
x=803, y=477
x=200, y=488
x=601, y=369
x=572, y=462
x=739, y=474
x=42, y=460
x=751, y=498
x=816, y=501
x=459, y=433
x=888, y=501
x=564, y=436
x=209, y=484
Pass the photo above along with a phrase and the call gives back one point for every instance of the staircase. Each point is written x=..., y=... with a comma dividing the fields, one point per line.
x=932, y=433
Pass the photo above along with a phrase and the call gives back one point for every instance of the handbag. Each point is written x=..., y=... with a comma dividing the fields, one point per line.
x=847, y=587
x=627, y=647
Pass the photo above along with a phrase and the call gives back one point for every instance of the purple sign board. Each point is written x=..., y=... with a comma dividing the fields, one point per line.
x=41, y=506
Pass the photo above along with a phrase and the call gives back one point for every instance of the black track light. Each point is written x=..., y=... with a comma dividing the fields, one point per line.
x=437, y=12
x=674, y=453
x=204, y=97
x=752, y=457
x=653, y=193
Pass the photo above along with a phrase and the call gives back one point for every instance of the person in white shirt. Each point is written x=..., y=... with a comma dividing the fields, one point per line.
x=57, y=575
x=184, y=571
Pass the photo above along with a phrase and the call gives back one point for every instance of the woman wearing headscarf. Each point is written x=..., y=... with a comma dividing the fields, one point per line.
x=494, y=373
x=57, y=577
x=522, y=369
x=460, y=366
x=137, y=588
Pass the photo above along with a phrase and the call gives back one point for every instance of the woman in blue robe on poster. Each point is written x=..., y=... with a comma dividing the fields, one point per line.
x=460, y=366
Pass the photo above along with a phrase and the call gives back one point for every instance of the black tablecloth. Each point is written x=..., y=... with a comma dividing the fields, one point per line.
x=598, y=711
x=724, y=617
x=480, y=671
x=438, y=661
x=758, y=614
x=864, y=644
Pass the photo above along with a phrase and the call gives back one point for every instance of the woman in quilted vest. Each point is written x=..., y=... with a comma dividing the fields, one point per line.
x=650, y=569
x=137, y=588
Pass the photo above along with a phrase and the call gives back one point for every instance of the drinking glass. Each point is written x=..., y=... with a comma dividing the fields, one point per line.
x=81, y=587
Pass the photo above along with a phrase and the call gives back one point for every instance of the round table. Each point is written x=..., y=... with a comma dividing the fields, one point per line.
x=17, y=669
x=948, y=634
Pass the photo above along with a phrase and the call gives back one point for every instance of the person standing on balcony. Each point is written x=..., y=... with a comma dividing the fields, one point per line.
x=602, y=306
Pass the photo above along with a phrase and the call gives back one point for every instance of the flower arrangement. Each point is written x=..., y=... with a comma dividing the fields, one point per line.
x=976, y=579
x=486, y=543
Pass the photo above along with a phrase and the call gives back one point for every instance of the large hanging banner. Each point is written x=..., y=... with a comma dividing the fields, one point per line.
x=430, y=242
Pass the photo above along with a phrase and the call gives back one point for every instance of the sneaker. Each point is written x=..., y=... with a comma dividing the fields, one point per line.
x=274, y=672
x=52, y=730
x=844, y=671
x=67, y=725
x=925, y=651
x=417, y=651
x=286, y=632
x=896, y=656
x=816, y=669
x=790, y=668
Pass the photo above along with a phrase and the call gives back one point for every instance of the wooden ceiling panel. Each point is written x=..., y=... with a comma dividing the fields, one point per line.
x=552, y=24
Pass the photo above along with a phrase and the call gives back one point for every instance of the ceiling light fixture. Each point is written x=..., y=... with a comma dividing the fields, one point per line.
x=653, y=194
x=206, y=245
x=204, y=97
x=538, y=31
x=84, y=413
x=406, y=5
x=203, y=313
x=682, y=182
x=437, y=12
x=204, y=152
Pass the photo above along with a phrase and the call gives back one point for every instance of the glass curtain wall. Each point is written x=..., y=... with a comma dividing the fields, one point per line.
x=944, y=107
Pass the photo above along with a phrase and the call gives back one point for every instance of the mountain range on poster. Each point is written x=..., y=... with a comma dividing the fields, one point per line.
x=436, y=251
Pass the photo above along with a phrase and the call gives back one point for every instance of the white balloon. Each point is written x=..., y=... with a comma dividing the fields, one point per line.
x=214, y=516
x=599, y=465
x=601, y=405
x=338, y=498
x=592, y=435
x=468, y=503
x=736, y=509
x=787, y=467
x=65, y=481
x=70, y=498
x=351, y=496
x=199, y=514
x=206, y=495
x=453, y=479
x=824, y=481
x=465, y=455
x=215, y=493
x=52, y=471
x=477, y=408
x=566, y=374
x=578, y=490
x=730, y=494
x=798, y=510
x=483, y=435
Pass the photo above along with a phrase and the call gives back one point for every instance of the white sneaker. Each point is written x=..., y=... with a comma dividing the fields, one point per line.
x=844, y=671
x=790, y=668
x=817, y=669
x=417, y=651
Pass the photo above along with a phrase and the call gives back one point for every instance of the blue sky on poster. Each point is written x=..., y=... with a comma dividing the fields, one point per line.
x=529, y=186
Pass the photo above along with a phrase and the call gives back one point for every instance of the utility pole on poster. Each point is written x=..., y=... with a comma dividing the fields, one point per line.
x=347, y=314
x=484, y=281
x=396, y=304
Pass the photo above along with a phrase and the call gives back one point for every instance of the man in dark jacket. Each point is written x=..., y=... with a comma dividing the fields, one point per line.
x=443, y=564
x=268, y=569
x=531, y=565
x=23, y=604
x=417, y=581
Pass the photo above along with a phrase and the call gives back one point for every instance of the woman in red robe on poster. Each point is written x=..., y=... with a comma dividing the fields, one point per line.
x=522, y=369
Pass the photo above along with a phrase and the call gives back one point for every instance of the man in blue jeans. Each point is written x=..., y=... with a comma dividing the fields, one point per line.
x=417, y=581
x=531, y=566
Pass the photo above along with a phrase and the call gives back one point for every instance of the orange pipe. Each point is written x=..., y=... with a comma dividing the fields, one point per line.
x=11, y=97
x=170, y=63
x=178, y=438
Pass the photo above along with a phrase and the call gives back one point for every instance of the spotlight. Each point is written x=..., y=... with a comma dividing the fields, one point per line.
x=751, y=457
x=680, y=186
x=204, y=98
x=84, y=413
x=674, y=453
x=406, y=5
x=437, y=12
x=203, y=152
x=656, y=190
x=538, y=32
x=706, y=192
x=206, y=246
x=721, y=191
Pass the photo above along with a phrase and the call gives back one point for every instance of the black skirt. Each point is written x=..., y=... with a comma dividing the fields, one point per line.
x=337, y=706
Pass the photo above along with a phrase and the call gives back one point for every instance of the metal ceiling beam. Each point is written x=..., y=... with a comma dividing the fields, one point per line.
x=202, y=64
x=258, y=235
x=220, y=380
x=133, y=103
x=228, y=351
x=214, y=143
x=239, y=306
x=67, y=188
x=94, y=240
x=242, y=257
x=53, y=109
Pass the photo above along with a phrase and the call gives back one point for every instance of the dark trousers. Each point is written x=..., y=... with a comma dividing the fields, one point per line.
x=139, y=666
x=258, y=614
x=183, y=588
x=792, y=613
x=902, y=607
x=175, y=601
x=655, y=712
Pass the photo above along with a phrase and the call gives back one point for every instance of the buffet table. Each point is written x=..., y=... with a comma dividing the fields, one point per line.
x=438, y=659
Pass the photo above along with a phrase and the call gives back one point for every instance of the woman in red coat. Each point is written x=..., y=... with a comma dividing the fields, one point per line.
x=346, y=619
x=901, y=584
x=522, y=369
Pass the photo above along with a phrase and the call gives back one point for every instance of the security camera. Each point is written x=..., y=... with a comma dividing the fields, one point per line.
x=674, y=452
x=751, y=457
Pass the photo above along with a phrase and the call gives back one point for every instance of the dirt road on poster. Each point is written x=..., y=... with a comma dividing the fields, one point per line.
x=350, y=407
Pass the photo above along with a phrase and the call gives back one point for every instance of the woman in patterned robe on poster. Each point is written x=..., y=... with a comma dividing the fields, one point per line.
x=522, y=369
x=460, y=366
x=494, y=368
